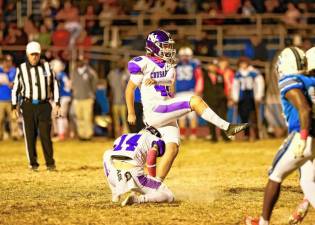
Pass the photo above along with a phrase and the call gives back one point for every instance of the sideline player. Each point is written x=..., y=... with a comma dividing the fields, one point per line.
x=297, y=150
x=189, y=81
x=124, y=168
x=155, y=75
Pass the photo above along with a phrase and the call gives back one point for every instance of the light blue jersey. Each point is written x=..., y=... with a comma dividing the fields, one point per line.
x=307, y=85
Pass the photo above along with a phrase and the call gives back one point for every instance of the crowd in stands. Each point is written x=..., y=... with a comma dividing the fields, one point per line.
x=57, y=23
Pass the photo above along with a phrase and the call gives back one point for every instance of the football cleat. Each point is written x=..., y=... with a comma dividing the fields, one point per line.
x=129, y=200
x=251, y=221
x=235, y=128
x=299, y=213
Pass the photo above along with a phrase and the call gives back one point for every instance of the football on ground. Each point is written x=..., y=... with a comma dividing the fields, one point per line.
x=213, y=184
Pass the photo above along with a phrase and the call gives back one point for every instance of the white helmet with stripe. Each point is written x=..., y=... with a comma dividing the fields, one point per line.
x=185, y=51
x=310, y=56
x=291, y=60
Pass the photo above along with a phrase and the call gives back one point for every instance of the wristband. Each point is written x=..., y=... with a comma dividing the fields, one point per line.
x=304, y=134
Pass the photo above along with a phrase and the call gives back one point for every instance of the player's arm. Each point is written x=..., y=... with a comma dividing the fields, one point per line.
x=15, y=93
x=130, y=95
x=299, y=101
x=136, y=77
x=171, y=75
x=151, y=160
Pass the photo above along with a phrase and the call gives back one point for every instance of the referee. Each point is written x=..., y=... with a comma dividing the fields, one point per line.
x=35, y=84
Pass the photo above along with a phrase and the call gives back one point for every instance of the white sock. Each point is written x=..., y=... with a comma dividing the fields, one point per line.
x=210, y=116
x=262, y=221
x=308, y=188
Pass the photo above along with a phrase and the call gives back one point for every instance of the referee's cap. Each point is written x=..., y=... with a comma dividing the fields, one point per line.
x=33, y=47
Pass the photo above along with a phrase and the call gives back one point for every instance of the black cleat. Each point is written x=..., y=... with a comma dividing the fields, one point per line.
x=52, y=168
x=235, y=128
x=34, y=168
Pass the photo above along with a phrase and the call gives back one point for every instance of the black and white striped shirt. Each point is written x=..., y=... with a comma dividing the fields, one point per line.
x=35, y=83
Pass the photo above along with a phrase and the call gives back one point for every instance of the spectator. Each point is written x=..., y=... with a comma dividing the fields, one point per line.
x=2, y=31
x=101, y=97
x=84, y=41
x=44, y=37
x=65, y=97
x=230, y=6
x=205, y=46
x=248, y=9
x=70, y=14
x=306, y=44
x=101, y=109
x=49, y=8
x=138, y=43
x=211, y=9
x=91, y=24
x=61, y=37
x=292, y=16
x=118, y=78
x=248, y=92
x=30, y=29
x=227, y=73
x=142, y=6
x=256, y=49
x=182, y=40
x=188, y=83
x=84, y=80
x=9, y=13
x=214, y=96
x=7, y=74
x=16, y=36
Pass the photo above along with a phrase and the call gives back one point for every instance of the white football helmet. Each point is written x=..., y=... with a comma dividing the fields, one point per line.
x=57, y=66
x=310, y=56
x=291, y=60
x=185, y=51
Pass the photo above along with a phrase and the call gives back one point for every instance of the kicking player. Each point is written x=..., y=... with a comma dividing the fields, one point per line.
x=297, y=150
x=124, y=168
x=155, y=75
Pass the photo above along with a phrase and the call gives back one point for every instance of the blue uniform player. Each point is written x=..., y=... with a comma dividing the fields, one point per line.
x=189, y=82
x=65, y=97
x=296, y=92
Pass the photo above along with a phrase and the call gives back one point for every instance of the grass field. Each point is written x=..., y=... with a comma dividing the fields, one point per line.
x=213, y=184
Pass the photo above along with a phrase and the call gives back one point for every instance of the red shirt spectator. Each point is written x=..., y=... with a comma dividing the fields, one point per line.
x=61, y=36
x=230, y=6
x=228, y=75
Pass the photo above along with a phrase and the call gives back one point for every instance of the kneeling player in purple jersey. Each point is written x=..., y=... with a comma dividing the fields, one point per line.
x=155, y=75
x=124, y=168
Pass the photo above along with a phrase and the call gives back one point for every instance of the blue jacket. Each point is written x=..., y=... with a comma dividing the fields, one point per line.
x=5, y=90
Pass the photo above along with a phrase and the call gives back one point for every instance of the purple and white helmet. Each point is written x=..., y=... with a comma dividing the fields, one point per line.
x=160, y=44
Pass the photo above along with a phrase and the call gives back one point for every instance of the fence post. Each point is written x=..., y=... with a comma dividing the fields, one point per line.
x=219, y=40
x=29, y=7
x=140, y=23
x=259, y=25
x=198, y=25
x=282, y=34
x=19, y=13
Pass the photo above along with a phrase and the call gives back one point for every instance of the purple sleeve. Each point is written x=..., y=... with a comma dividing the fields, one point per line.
x=133, y=68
